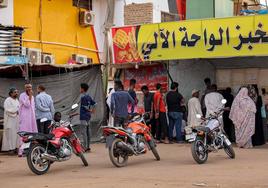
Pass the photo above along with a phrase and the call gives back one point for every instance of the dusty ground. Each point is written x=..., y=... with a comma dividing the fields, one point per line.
x=176, y=169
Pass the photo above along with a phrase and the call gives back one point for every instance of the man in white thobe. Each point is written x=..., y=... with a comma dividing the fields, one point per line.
x=108, y=102
x=194, y=108
x=11, y=121
x=213, y=101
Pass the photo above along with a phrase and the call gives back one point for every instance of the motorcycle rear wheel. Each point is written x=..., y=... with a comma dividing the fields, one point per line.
x=36, y=164
x=115, y=155
x=229, y=150
x=154, y=150
x=199, y=156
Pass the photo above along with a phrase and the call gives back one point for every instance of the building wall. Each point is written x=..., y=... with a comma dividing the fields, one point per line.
x=135, y=14
x=100, y=11
x=58, y=23
x=197, y=9
x=158, y=6
x=7, y=14
x=224, y=8
x=190, y=74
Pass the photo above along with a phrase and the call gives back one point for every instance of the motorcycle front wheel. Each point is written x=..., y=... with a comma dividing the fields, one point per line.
x=36, y=164
x=154, y=151
x=117, y=156
x=229, y=150
x=82, y=157
x=199, y=151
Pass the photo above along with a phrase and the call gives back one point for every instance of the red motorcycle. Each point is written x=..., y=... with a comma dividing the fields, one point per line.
x=136, y=139
x=44, y=149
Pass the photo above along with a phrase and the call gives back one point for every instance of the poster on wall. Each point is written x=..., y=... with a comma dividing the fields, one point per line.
x=209, y=38
x=149, y=76
x=125, y=45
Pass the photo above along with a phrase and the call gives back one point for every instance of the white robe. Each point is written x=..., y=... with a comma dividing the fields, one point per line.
x=108, y=101
x=194, y=108
x=11, y=124
x=213, y=102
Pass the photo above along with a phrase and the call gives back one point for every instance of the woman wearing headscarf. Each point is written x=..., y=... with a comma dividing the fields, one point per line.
x=11, y=121
x=243, y=116
x=258, y=137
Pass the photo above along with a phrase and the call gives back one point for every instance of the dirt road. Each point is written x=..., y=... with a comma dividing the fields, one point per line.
x=176, y=169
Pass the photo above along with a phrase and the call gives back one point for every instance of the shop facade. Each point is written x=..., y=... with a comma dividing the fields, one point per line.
x=230, y=51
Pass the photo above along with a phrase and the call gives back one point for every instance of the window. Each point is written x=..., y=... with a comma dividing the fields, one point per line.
x=86, y=4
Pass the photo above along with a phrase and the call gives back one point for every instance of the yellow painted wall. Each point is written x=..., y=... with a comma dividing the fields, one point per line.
x=60, y=24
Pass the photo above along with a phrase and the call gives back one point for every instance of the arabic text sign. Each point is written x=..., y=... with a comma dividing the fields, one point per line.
x=13, y=60
x=228, y=37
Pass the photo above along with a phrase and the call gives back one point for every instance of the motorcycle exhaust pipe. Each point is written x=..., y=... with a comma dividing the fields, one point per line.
x=123, y=146
x=49, y=157
x=54, y=158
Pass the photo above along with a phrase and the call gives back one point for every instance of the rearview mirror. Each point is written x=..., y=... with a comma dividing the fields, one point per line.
x=223, y=101
x=43, y=120
x=74, y=106
x=198, y=116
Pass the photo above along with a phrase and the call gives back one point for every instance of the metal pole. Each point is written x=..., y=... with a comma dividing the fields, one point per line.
x=26, y=76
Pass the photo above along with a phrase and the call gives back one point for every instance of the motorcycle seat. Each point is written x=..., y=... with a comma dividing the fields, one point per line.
x=37, y=136
x=49, y=136
x=201, y=128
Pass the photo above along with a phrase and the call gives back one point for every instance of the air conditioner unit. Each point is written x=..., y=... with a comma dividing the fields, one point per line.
x=86, y=18
x=34, y=56
x=80, y=59
x=3, y=3
x=47, y=58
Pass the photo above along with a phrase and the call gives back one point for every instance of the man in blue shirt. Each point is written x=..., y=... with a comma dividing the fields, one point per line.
x=119, y=103
x=44, y=109
x=132, y=93
x=87, y=105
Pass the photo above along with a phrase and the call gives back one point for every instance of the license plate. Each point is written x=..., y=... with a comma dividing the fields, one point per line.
x=228, y=142
x=25, y=145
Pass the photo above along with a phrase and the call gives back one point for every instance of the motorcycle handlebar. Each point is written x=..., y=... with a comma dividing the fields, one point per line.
x=73, y=115
x=215, y=115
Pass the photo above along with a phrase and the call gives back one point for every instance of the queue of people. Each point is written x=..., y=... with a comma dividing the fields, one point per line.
x=24, y=112
x=162, y=110
x=243, y=118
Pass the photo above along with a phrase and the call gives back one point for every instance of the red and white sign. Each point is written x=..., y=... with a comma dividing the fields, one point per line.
x=149, y=76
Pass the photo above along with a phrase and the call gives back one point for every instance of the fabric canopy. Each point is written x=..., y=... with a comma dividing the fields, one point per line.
x=64, y=89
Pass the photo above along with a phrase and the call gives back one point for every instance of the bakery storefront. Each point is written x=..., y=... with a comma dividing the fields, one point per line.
x=231, y=51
